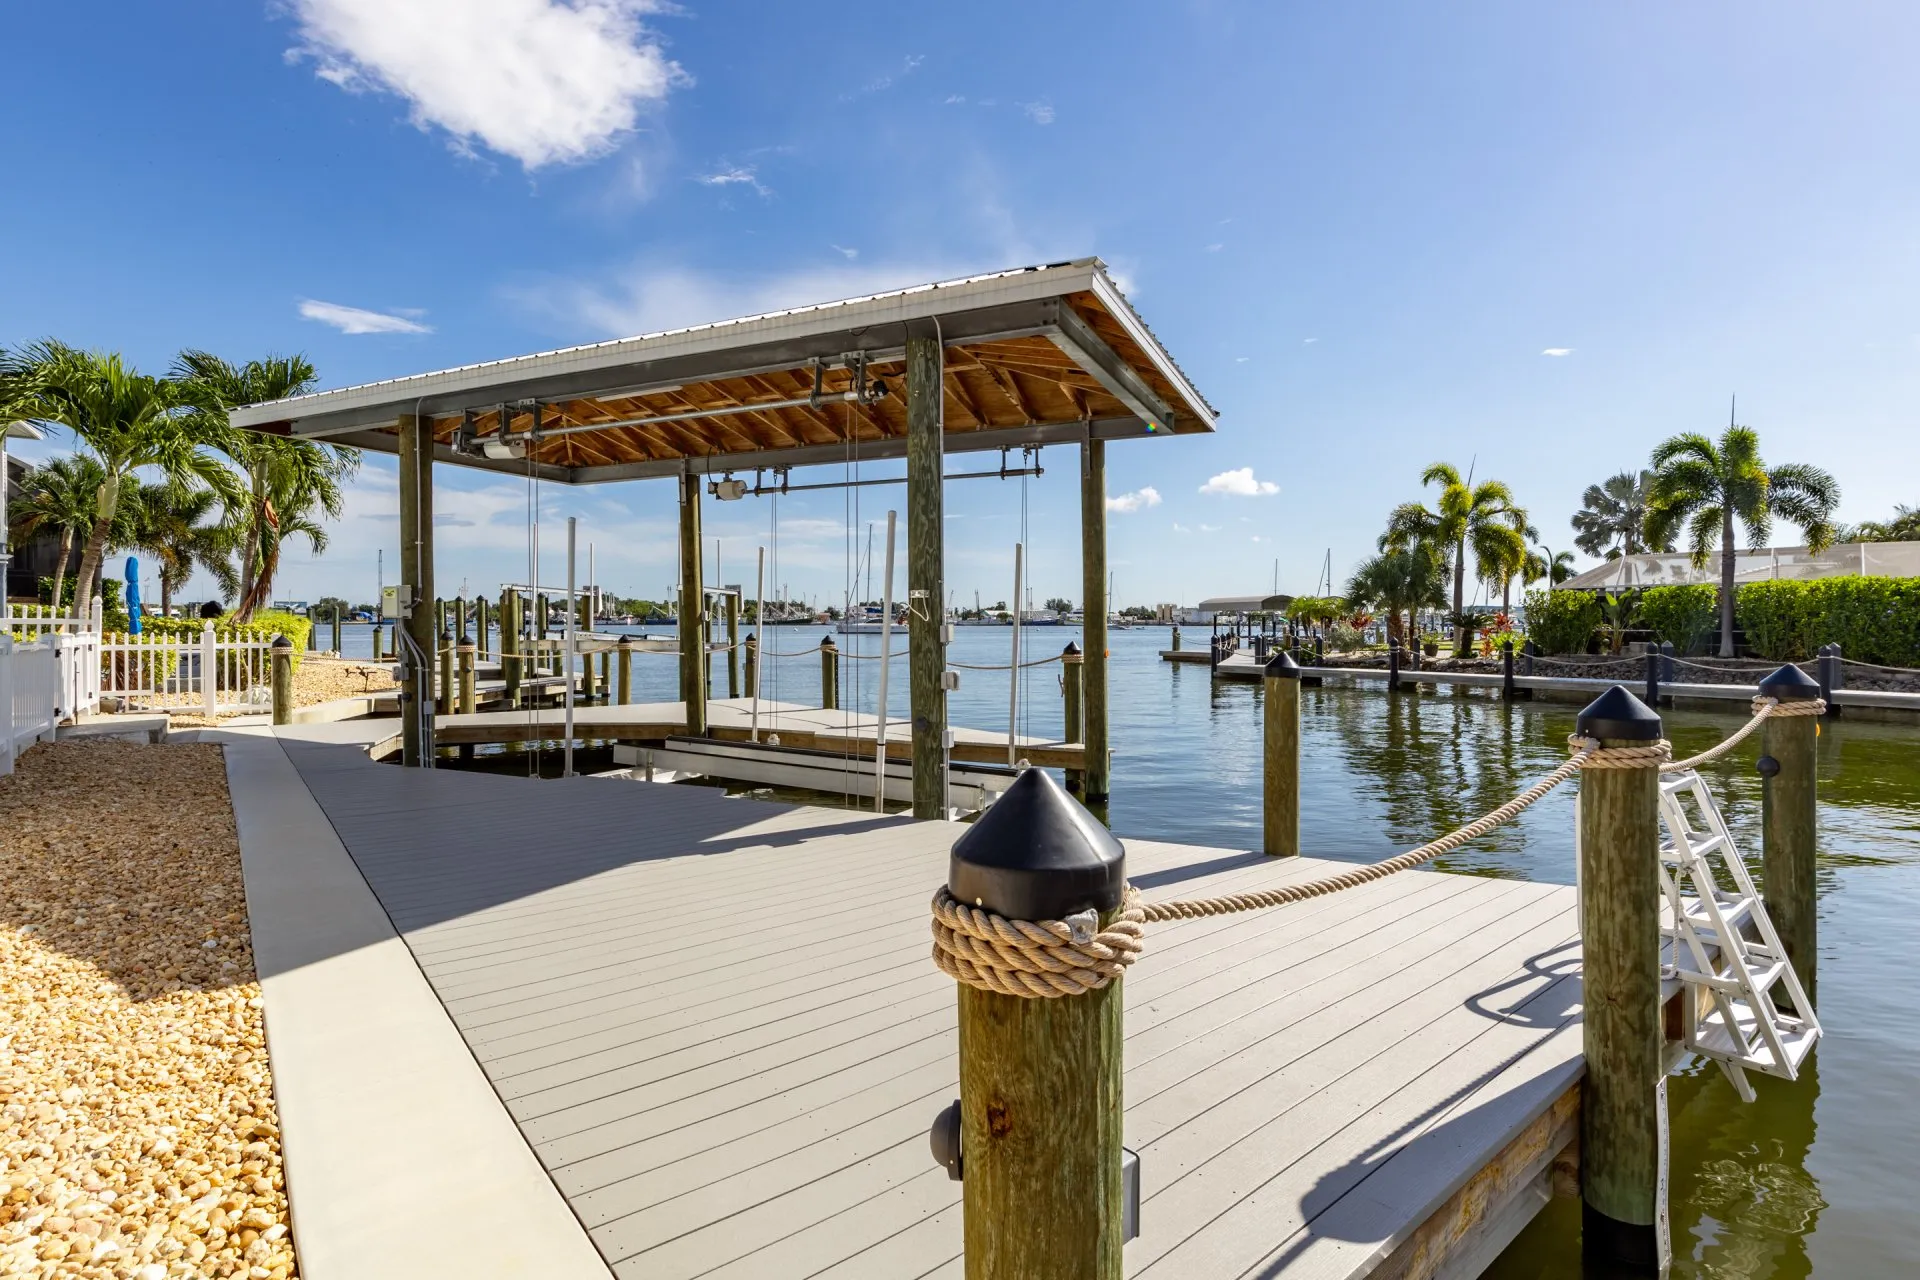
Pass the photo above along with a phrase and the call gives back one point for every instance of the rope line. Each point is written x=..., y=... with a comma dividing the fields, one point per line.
x=1046, y=959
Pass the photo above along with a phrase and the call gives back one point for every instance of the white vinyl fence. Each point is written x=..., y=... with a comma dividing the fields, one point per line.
x=29, y=696
x=210, y=673
x=35, y=620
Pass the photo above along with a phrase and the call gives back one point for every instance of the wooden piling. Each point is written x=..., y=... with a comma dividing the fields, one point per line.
x=693, y=604
x=829, y=675
x=1653, y=677
x=379, y=633
x=416, y=573
x=1176, y=639
x=444, y=647
x=281, y=653
x=1506, y=669
x=1788, y=822
x=1072, y=696
x=511, y=663
x=753, y=664
x=1093, y=586
x=337, y=650
x=1393, y=664
x=625, y=670
x=1280, y=796
x=1830, y=676
x=465, y=653
x=926, y=592
x=1040, y=1080
x=540, y=655
x=1623, y=1113
x=480, y=628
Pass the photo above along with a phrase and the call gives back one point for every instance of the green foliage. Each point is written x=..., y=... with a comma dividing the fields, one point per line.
x=1871, y=619
x=1682, y=616
x=265, y=625
x=1562, y=621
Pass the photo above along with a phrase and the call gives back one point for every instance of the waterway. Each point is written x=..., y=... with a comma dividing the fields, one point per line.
x=1813, y=1179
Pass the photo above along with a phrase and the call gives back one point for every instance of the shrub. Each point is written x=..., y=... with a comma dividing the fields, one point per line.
x=266, y=624
x=1562, y=621
x=1344, y=637
x=1778, y=620
x=1871, y=619
x=1684, y=617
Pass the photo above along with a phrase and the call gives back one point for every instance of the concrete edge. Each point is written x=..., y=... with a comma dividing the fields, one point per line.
x=400, y=1159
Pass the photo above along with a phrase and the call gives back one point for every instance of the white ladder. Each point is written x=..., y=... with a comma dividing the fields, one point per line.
x=1721, y=940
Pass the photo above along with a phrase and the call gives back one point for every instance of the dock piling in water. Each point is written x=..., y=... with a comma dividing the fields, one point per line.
x=464, y=652
x=1393, y=665
x=1623, y=1109
x=1072, y=680
x=1788, y=822
x=1506, y=669
x=625, y=670
x=829, y=675
x=1280, y=796
x=1040, y=1079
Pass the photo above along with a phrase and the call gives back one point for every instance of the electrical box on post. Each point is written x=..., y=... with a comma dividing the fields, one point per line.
x=949, y=680
x=396, y=601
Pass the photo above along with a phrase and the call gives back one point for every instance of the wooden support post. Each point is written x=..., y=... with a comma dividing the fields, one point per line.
x=1073, y=708
x=282, y=675
x=693, y=604
x=541, y=658
x=1653, y=676
x=588, y=684
x=926, y=558
x=379, y=632
x=606, y=675
x=1393, y=664
x=1666, y=665
x=1093, y=587
x=1623, y=1114
x=1280, y=804
x=480, y=629
x=1529, y=651
x=1040, y=1082
x=444, y=648
x=511, y=665
x=1506, y=669
x=733, y=645
x=625, y=670
x=1830, y=676
x=466, y=652
x=829, y=675
x=1176, y=639
x=753, y=663
x=416, y=572
x=1787, y=822
x=337, y=650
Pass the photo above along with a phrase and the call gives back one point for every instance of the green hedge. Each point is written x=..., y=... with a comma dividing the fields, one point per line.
x=1685, y=617
x=1871, y=619
x=1562, y=621
x=266, y=624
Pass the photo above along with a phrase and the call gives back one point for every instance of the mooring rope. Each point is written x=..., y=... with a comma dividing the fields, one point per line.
x=1050, y=958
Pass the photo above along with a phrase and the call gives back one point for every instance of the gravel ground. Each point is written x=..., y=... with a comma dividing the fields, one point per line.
x=138, y=1137
x=324, y=679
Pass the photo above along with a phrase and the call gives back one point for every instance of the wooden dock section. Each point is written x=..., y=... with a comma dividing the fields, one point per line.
x=716, y=1024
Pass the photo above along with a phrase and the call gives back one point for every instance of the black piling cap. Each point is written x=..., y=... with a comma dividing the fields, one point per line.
x=1790, y=684
x=281, y=642
x=1281, y=667
x=1071, y=651
x=1036, y=854
x=1618, y=715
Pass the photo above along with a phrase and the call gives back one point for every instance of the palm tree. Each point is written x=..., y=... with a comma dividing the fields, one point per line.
x=59, y=496
x=1613, y=517
x=1707, y=486
x=172, y=523
x=126, y=420
x=1482, y=517
x=1399, y=582
x=1904, y=527
x=289, y=482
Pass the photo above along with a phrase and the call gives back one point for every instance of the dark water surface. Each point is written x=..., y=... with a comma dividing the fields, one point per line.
x=1817, y=1178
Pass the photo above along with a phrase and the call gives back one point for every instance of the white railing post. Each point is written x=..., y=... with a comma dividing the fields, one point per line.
x=6, y=699
x=209, y=682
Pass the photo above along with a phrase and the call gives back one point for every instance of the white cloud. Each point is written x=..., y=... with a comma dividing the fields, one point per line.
x=1240, y=483
x=542, y=81
x=1209, y=528
x=842, y=250
x=644, y=299
x=1177, y=528
x=1040, y=112
x=734, y=175
x=358, y=320
x=1236, y=360
x=952, y=100
x=1215, y=247
x=880, y=84
x=1138, y=500
x=1557, y=351
x=1308, y=341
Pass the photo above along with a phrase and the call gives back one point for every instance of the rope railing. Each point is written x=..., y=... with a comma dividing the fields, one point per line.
x=1046, y=959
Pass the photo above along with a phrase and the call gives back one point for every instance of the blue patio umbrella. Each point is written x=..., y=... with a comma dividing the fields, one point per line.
x=133, y=595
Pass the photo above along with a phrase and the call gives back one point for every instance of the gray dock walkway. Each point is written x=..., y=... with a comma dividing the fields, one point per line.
x=716, y=1025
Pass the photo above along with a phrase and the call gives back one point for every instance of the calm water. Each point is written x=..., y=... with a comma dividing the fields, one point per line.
x=1816, y=1178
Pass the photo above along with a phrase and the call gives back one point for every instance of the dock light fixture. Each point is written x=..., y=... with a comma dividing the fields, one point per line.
x=728, y=490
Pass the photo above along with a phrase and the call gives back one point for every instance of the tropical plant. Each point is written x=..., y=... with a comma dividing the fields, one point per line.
x=59, y=496
x=1316, y=610
x=1059, y=604
x=1707, y=486
x=1904, y=527
x=327, y=607
x=1562, y=621
x=126, y=420
x=1556, y=566
x=1681, y=615
x=1399, y=582
x=1482, y=518
x=1619, y=610
x=1613, y=517
x=174, y=524
x=289, y=483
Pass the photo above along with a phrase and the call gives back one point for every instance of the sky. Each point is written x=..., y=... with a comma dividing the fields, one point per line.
x=1533, y=240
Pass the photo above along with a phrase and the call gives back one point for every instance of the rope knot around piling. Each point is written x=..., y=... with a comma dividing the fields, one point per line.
x=1035, y=958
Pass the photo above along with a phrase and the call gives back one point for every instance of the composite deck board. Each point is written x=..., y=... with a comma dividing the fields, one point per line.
x=715, y=1022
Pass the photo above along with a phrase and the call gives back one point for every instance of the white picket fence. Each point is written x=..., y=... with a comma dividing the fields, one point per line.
x=210, y=673
x=38, y=620
x=29, y=694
